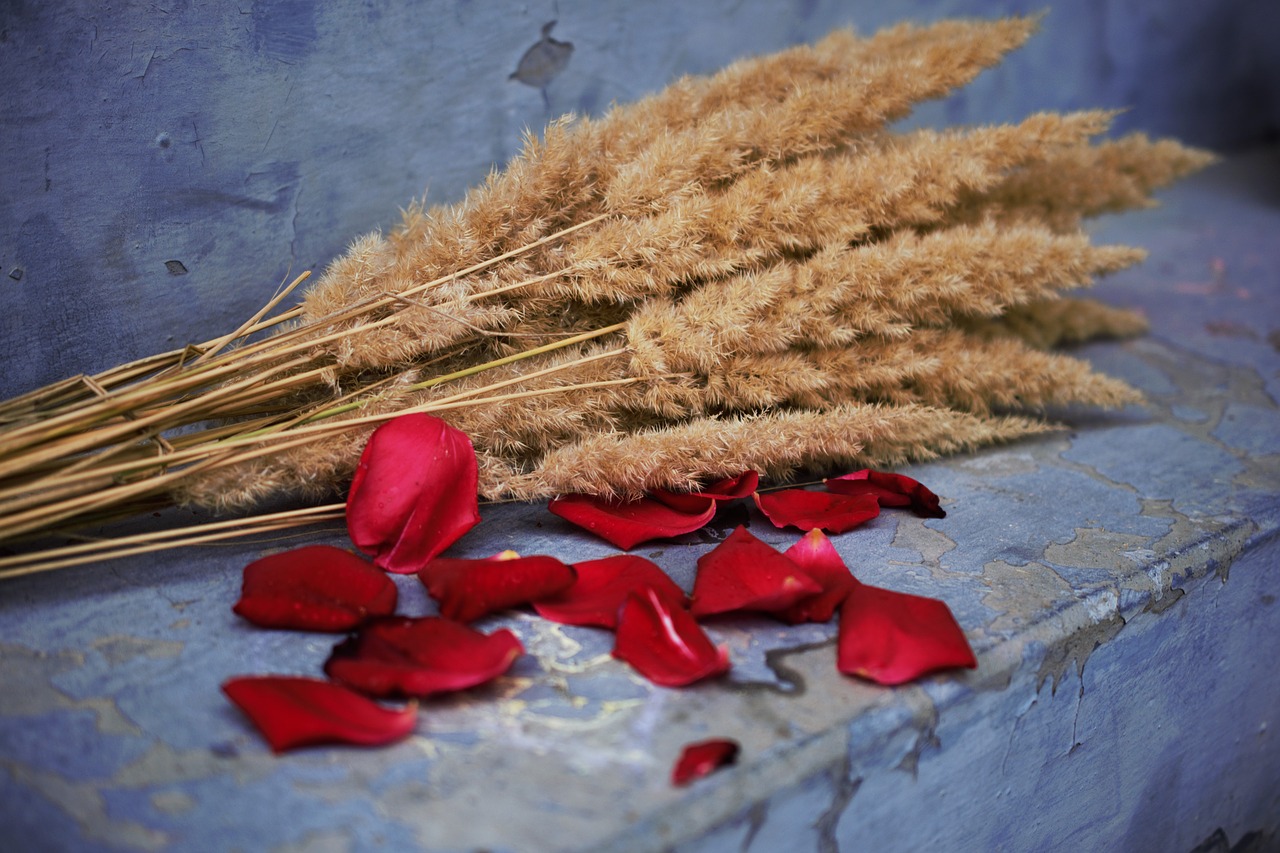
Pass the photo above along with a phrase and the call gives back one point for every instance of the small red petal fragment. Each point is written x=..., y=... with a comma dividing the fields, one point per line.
x=817, y=558
x=419, y=657
x=665, y=643
x=743, y=573
x=314, y=588
x=893, y=637
x=702, y=759
x=807, y=510
x=889, y=490
x=728, y=489
x=601, y=588
x=414, y=492
x=625, y=524
x=292, y=712
x=469, y=589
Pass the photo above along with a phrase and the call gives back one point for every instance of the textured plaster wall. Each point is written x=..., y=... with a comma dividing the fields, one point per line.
x=166, y=165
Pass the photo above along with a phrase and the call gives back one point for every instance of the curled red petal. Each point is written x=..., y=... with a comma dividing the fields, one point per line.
x=818, y=558
x=314, y=588
x=414, y=492
x=834, y=513
x=890, y=490
x=665, y=643
x=419, y=657
x=469, y=589
x=893, y=637
x=291, y=711
x=702, y=759
x=743, y=573
x=625, y=524
x=601, y=588
x=728, y=489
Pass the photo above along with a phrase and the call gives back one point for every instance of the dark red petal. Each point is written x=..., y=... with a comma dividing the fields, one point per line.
x=601, y=588
x=414, y=492
x=817, y=558
x=419, y=657
x=728, y=489
x=314, y=588
x=702, y=759
x=743, y=573
x=665, y=643
x=889, y=490
x=892, y=637
x=292, y=712
x=625, y=524
x=807, y=510
x=469, y=589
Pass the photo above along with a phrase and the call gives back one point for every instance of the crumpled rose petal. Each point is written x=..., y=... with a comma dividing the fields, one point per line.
x=702, y=759
x=601, y=588
x=414, y=492
x=834, y=513
x=469, y=589
x=728, y=489
x=418, y=657
x=665, y=643
x=625, y=524
x=891, y=490
x=817, y=558
x=314, y=588
x=743, y=573
x=291, y=711
x=893, y=637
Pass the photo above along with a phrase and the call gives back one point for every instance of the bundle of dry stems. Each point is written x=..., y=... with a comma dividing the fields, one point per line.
x=742, y=271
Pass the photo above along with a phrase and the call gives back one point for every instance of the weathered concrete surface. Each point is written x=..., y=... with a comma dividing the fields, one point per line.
x=168, y=164
x=1117, y=580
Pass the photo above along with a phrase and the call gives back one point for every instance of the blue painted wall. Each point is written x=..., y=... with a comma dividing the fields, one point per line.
x=166, y=165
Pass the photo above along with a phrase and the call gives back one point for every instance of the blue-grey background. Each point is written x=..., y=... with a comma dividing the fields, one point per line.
x=166, y=165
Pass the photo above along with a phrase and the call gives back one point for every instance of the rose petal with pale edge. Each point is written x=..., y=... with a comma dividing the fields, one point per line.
x=743, y=573
x=890, y=490
x=418, y=657
x=414, y=492
x=601, y=588
x=314, y=588
x=292, y=711
x=469, y=589
x=625, y=524
x=665, y=643
x=817, y=558
x=807, y=510
x=728, y=489
x=893, y=637
x=702, y=759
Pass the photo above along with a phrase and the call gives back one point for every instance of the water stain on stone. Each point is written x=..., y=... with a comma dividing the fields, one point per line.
x=1077, y=647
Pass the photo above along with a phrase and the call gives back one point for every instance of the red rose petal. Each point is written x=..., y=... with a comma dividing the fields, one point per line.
x=469, y=589
x=419, y=657
x=743, y=573
x=892, y=637
x=601, y=588
x=292, y=712
x=665, y=643
x=314, y=588
x=889, y=490
x=414, y=492
x=625, y=524
x=702, y=759
x=728, y=489
x=834, y=513
x=817, y=558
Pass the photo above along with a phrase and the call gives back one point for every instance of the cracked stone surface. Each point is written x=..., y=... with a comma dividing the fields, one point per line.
x=1116, y=579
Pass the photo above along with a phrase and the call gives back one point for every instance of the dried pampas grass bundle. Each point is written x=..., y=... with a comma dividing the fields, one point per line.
x=747, y=270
